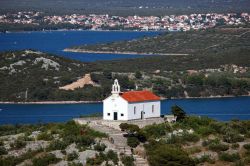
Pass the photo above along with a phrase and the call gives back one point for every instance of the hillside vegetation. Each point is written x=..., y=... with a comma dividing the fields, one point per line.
x=40, y=75
x=218, y=41
x=128, y=7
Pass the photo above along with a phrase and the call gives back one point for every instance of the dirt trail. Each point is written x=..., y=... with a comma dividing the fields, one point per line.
x=86, y=80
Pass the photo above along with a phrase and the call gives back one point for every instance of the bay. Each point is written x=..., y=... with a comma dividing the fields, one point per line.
x=55, y=41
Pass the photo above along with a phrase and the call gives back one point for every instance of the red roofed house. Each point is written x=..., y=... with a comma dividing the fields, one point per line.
x=130, y=105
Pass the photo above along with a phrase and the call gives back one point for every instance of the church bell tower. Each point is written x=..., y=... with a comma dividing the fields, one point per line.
x=116, y=88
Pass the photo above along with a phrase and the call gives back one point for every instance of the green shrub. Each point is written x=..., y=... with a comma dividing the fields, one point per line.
x=57, y=145
x=218, y=147
x=84, y=141
x=128, y=160
x=156, y=130
x=74, y=164
x=205, y=131
x=247, y=146
x=111, y=155
x=100, y=147
x=18, y=144
x=1, y=143
x=203, y=159
x=193, y=150
x=229, y=157
x=247, y=135
x=190, y=137
x=159, y=153
x=247, y=160
x=210, y=141
x=239, y=163
x=132, y=142
x=99, y=158
x=44, y=136
x=124, y=126
x=72, y=156
x=45, y=160
x=233, y=138
x=3, y=151
x=235, y=146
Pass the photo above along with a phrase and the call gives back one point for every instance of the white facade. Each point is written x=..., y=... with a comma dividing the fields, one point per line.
x=116, y=107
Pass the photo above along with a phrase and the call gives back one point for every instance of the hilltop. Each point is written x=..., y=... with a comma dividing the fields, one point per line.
x=121, y=7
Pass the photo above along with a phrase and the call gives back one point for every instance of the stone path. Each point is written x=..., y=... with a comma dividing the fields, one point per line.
x=119, y=142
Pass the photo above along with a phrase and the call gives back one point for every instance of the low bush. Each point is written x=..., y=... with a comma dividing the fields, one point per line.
x=72, y=156
x=229, y=157
x=193, y=150
x=101, y=157
x=74, y=164
x=156, y=130
x=210, y=141
x=132, y=142
x=123, y=126
x=218, y=147
x=84, y=141
x=18, y=144
x=44, y=136
x=190, y=137
x=100, y=147
x=233, y=138
x=45, y=160
x=160, y=153
x=205, y=131
x=97, y=160
x=235, y=146
x=204, y=158
x=247, y=160
x=128, y=160
x=111, y=155
x=3, y=151
x=57, y=145
x=247, y=146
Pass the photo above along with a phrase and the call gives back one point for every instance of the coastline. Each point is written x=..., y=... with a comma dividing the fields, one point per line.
x=123, y=53
x=51, y=102
x=96, y=102
x=91, y=30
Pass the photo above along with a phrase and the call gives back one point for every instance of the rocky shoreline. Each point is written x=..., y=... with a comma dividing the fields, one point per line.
x=117, y=52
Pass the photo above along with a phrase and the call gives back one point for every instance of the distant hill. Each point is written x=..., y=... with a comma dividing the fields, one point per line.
x=220, y=41
x=39, y=74
x=127, y=7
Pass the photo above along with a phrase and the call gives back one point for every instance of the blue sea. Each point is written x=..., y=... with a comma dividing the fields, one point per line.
x=223, y=109
x=55, y=41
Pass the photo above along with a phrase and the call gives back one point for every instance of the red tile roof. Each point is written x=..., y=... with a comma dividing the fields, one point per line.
x=139, y=96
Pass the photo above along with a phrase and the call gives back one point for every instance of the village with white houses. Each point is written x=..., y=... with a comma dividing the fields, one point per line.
x=194, y=21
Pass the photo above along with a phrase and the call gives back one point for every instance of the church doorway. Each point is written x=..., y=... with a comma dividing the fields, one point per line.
x=142, y=115
x=115, y=115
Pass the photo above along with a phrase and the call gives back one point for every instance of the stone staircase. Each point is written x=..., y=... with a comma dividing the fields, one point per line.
x=119, y=142
x=139, y=161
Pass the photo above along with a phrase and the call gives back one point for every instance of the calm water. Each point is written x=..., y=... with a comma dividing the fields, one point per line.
x=221, y=109
x=55, y=41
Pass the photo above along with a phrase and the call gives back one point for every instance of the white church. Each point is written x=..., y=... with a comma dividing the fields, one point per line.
x=130, y=105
